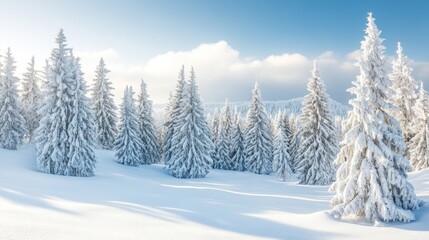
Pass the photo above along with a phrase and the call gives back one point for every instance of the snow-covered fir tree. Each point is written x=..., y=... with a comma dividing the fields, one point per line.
x=104, y=107
x=222, y=148
x=318, y=142
x=294, y=143
x=148, y=134
x=258, y=139
x=192, y=159
x=171, y=120
x=214, y=124
x=31, y=99
x=226, y=120
x=128, y=145
x=12, y=123
x=372, y=179
x=52, y=133
x=405, y=93
x=81, y=129
x=237, y=146
x=419, y=144
x=281, y=162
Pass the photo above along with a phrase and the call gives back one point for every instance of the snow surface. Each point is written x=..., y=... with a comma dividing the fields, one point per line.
x=122, y=202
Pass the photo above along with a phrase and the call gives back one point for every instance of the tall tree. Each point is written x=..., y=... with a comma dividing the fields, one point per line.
x=318, y=142
x=81, y=129
x=222, y=148
x=405, y=93
x=51, y=135
x=128, y=145
x=12, y=124
x=281, y=163
x=148, y=133
x=192, y=159
x=171, y=123
x=104, y=107
x=237, y=146
x=258, y=140
x=372, y=179
x=419, y=144
x=31, y=99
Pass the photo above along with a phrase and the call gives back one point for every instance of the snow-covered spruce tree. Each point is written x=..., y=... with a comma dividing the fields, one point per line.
x=148, y=134
x=51, y=135
x=214, y=126
x=222, y=148
x=31, y=99
x=226, y=120
x=12, y=124
x=81, y=129
x=372, y=179
x=237, y=146
x=192, y=159
x=128, y=145
x=419, y=144
x=294, y=143
x=104, y=108
x=171, y=119
x=405, y=93
x=258, y=139
x=281, y=162
x=318, y=142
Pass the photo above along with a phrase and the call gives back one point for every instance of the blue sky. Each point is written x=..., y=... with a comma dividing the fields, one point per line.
x=134, y=34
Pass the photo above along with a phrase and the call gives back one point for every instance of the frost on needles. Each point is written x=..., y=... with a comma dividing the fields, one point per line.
x=372, y=179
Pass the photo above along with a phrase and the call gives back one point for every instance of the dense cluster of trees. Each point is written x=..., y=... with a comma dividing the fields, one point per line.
x=366, y=156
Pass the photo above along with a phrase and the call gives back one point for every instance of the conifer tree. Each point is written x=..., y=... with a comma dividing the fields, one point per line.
x=170, y=126
x=31, y=99
x=222, y=148
x=237, y=146
x=104, y=108
x=81, y=129
x=318, y=142
x=128, y=145
x=419, y=144
x=372, y=177
x=258, y=140
x=281, y=162
x=12, y=124
x=405, y=93
x=192, y=159
x=148, y=134
x=51, y=135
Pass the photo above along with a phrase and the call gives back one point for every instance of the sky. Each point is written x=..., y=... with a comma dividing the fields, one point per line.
x=230, y=43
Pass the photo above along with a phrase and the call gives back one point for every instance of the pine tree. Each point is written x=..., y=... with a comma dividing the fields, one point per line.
x=192, y=159
x=31, y=99
x=51, y=135
x=372, y=179
x=281, y=162
x=318, y=142
x=215, y=124
x=294, y=143
x=12, y=124
x=222, y=148
x=419, y=144
x=237, y=147
x=226, y=120
x=148, y=134
x=128, y=145
x=104, y=108
x=81, y=129
x=171, y=123
x=405, y=93
x=258, y=140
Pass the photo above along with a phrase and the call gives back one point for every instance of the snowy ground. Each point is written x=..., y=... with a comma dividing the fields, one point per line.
x=144, y=202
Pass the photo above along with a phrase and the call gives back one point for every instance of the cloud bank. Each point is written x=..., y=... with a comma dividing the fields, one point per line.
x=222, y=73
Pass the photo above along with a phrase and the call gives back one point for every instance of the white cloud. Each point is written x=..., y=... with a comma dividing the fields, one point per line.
x=223, y=73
